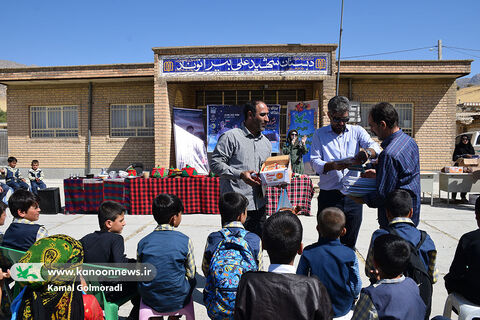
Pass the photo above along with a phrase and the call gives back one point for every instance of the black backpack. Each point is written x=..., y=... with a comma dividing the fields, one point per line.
x=417, y=271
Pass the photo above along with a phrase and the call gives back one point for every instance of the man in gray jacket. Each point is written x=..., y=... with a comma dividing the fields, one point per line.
x=237, y=159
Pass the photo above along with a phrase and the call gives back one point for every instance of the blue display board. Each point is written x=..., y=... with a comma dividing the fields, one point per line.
x=303, y=122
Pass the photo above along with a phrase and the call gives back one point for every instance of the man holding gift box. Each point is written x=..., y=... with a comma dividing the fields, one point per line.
x=335, y=142
x=237, y=159
x=398, y=165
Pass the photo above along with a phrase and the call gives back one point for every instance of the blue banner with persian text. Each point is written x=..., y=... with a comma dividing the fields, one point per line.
x=221, y=118
x=317, y=62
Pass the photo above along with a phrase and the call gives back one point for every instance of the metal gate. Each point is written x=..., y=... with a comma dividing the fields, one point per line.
x=3, y=146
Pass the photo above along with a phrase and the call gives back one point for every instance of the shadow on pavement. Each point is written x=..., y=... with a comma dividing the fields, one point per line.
x=197, y=293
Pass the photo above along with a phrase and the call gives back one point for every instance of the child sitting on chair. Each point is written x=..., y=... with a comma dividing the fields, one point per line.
x=464, y=274
x=280, y=293
x=229, y=253
x=3, y=216
x=171, y=253
x=393, y=296
x=23, y=231
x=107, y=246
x=13, y=176
x=36, y=177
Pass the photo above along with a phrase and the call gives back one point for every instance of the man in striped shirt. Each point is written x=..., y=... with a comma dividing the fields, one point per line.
x=398, y=164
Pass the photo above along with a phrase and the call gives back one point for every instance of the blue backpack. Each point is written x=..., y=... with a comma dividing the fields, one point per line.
x=231, y=259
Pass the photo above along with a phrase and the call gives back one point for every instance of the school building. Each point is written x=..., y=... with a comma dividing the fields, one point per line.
x=83, y=118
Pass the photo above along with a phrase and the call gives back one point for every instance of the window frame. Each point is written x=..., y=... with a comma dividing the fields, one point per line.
x=35, y=133
x=116, y=132
x=408, y=130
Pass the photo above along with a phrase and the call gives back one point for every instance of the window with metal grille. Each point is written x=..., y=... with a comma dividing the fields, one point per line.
x=240, y=97
x=131, y=120
x=54, y=121
x=405, y=116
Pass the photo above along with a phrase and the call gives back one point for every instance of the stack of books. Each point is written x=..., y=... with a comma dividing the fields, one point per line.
x=357, y=186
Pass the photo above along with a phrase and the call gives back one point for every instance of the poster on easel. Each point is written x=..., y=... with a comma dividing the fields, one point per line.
x=221, y=118
x=301, y=117
x=189, y=133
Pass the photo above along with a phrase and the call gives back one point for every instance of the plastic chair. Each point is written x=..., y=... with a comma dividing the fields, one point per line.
x=9, y=256
x=466, y=310
x=146, y=312
x=110, y=309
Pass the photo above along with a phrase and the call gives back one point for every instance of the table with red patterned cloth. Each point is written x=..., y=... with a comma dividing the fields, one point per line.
x=199, y=195
x=82, y=195
x=300, y=193
x=114, y=190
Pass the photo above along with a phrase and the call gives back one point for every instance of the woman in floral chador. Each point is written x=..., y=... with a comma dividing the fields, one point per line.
x=38, y=300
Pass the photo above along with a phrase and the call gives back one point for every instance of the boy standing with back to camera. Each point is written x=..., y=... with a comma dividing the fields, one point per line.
x=335, y=264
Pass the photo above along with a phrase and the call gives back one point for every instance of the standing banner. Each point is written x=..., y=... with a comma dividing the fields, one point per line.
x=301, y=117
x=190, y=139
x=272, y=130
x=221, y=118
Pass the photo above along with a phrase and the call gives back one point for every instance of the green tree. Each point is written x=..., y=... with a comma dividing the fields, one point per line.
x=3, y=116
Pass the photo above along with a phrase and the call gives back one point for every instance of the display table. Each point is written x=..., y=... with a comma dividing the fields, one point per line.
x=114, y=190
x=300, y=192
x=457, y=182
x=82, y=195
x=426, y=183
x=199, y=195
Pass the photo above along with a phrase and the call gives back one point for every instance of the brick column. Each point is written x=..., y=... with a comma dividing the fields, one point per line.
x=318, y=95
x=162, y=120
x=328, y=93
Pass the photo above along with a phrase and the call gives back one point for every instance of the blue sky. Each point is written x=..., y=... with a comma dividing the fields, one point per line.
x=49, y=33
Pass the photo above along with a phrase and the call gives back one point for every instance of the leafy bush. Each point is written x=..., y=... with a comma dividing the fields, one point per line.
x=3, y=116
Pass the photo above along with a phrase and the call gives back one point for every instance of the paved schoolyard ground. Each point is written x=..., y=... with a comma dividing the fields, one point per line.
x=445, y=224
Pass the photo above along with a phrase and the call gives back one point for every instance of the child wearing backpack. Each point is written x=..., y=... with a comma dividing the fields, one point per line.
x=393, y=296
x=421, y=266
x=229, y=253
